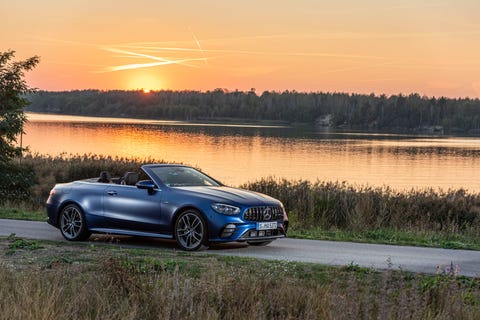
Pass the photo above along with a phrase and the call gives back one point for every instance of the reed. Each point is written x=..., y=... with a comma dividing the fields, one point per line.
x=340, y=206
x=50, y=170
x=310, y=205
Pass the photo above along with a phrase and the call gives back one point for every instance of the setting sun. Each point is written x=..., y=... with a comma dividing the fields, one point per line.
x=144, y=81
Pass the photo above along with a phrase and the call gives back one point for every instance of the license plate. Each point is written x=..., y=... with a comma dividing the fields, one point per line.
x=266, y=225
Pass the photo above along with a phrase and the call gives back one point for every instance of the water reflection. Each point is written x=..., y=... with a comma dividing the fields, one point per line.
x=237, y=154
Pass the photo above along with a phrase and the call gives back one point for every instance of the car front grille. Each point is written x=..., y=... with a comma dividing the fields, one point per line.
x=264, y=213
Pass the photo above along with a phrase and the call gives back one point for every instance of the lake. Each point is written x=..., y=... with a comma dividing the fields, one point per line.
x=235, y=154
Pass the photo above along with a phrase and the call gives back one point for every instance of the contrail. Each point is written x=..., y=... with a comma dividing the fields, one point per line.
x=162, y=61
x=135, y=54
x=150, y=43
x=199, y=47
x=147, y=65
x=156, y=49
x=249, y=52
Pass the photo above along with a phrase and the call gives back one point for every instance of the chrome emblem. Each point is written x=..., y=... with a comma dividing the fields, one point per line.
x=267, y=213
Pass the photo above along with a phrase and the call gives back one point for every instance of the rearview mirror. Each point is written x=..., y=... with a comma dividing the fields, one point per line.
x=147, y=185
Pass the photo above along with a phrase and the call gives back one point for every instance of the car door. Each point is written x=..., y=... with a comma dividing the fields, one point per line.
x=130, y=208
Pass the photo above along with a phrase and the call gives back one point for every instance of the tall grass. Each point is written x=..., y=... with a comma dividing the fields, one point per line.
x=320, y=205
x=50, y=170
x=338, y=205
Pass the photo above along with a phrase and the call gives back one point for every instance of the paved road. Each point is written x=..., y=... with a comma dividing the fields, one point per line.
x=415, y=259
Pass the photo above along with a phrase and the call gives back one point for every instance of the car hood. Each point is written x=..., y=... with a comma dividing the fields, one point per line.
x=230, y=195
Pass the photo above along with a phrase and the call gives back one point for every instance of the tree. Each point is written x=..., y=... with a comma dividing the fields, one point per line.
x=13, y=87
x=16, y=180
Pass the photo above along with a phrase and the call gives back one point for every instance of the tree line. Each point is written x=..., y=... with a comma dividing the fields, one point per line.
x=405, y=113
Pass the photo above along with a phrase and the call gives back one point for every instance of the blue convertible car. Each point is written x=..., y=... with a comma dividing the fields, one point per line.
x=175, y=202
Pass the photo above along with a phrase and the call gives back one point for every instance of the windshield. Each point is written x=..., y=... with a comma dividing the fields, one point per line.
x=183, y=177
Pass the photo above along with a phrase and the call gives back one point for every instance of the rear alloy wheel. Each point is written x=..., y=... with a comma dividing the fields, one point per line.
x=259, y=244
x=191, y=230
x=72, y=223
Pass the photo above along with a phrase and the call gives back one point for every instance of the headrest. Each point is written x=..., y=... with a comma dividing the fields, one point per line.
x=130, y=178
x=105, y=177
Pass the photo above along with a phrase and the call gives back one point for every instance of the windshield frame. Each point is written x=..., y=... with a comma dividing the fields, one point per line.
x=177, y=176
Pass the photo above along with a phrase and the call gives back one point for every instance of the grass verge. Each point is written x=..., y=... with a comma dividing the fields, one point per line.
x=394, y=237
x=21, y=214
x=46, y=280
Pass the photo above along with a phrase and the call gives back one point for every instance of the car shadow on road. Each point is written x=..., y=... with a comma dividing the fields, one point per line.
x=144, y=242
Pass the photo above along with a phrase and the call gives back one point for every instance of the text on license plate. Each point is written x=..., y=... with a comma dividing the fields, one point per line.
x=266, y=225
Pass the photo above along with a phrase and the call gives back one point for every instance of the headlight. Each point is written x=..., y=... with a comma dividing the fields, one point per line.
x=225, y=209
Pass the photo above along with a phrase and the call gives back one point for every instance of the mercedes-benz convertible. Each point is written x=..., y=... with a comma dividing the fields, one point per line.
x=172, y=202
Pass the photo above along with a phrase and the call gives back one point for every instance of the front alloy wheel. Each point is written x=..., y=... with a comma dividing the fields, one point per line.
x=190, y=230
x=72, y=223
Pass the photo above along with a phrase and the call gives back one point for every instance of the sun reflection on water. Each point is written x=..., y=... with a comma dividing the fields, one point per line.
x=237, y=154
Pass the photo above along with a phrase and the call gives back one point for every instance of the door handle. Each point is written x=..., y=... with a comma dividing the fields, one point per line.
x=112, y=193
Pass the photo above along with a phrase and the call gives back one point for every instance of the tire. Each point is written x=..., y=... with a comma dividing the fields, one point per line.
x=259, y=244
x=191, y=231
x=72, y=223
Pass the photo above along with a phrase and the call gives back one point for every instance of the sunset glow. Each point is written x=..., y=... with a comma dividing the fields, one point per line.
x=429, y=47
x=143, y=80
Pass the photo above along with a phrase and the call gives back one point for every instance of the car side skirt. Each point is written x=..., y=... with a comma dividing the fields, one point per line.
x=131, y=233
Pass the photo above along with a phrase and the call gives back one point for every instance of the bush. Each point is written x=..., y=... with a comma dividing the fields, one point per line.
x=16, y=183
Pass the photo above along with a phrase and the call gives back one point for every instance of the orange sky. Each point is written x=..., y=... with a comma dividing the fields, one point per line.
x=430, y=47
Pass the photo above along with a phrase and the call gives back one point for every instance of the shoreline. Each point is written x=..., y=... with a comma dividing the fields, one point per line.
x=45, y=117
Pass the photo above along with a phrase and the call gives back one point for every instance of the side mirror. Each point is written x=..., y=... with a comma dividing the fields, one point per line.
x=147, y=185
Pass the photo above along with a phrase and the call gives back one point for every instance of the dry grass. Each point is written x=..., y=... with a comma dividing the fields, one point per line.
x=78, y=282
x=341, y=206
x=50, y=170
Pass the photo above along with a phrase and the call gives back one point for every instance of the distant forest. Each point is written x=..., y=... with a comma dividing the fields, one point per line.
x=399, y=113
